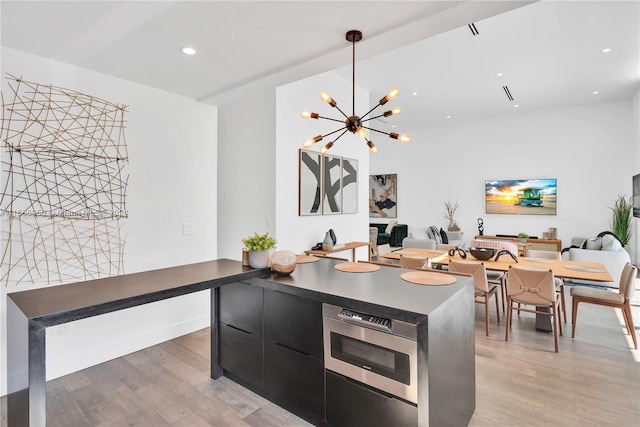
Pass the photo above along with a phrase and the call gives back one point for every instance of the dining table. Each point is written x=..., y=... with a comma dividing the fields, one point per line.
x=564, y=269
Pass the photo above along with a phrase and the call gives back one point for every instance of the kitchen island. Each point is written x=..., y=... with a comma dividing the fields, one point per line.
x=256, y=324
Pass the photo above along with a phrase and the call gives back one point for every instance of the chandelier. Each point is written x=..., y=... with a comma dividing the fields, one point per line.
x=355, y=124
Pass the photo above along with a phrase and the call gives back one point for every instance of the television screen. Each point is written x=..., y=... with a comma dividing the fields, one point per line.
x=521, y=196
x=636, y=196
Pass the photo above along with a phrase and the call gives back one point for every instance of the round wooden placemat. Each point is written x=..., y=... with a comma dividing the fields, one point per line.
x=303, y=259
x=428, y=278
x=357, y=267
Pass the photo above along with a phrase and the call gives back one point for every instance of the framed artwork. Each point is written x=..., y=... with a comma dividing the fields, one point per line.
x=349, y=186
x=383, y=196
x=521, y=196
x=309, y=184
x=332, y=185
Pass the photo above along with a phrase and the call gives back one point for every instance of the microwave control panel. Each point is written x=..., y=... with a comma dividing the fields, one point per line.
x=366, y=319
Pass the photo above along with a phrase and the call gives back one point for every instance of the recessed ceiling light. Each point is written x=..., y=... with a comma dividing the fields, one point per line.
x=393, y=126
x=414, y=93
x=516, y=106
x=188, y=50
x=595, y=92
x=447, y=117
x=606, y=50
x=498, y=74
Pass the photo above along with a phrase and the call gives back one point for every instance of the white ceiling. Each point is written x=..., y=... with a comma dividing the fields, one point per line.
x=549, y=51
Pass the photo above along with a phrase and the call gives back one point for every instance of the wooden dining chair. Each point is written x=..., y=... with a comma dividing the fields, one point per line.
x=483, y=289
x=413, y=262
x=533, y=287
x=608, y=298
x=497, y=277
x=533, y=253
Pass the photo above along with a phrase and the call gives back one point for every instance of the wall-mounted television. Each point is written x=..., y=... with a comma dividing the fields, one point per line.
x=636, y=196
x=521, y=196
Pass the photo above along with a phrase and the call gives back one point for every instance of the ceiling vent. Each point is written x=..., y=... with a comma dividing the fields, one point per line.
x=508, y=92
x=473, y=29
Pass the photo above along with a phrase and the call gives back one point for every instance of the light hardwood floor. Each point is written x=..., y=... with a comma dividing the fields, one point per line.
x=593, y=381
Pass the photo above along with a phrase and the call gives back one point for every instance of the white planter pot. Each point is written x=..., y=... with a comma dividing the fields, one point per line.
x=258, y=259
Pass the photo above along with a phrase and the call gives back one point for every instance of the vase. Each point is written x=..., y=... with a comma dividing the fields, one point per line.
x=258, y=259
x=453, y=225
x=327, y=243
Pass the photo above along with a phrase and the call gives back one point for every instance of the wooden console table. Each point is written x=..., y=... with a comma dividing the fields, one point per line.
x=351, y=245
x=533, y=242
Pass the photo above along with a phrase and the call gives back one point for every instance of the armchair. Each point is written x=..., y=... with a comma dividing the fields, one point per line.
x=394, y=238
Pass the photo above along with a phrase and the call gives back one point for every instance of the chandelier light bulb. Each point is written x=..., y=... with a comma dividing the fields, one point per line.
x=309, y=142
x=373, y=148
x=393, y=92
x=405, y=139
x=326, y=148
x=362, y=133
x=327, y=98
x=305, y=114
x=396, y=111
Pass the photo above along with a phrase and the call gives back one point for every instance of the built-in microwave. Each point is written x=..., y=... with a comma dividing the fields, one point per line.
x=376, y=351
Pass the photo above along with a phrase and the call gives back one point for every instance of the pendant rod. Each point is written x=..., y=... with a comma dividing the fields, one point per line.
x=353, y=79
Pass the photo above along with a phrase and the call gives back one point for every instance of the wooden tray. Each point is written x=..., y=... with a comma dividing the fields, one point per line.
x=428, y=278
x=303, y=259
x=357, y=267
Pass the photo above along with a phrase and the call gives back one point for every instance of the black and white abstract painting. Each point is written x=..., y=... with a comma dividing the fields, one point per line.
x=309, y=185
x=349, y=186
x=332, y=184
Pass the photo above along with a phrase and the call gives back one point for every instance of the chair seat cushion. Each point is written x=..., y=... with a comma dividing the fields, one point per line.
x=602, y=294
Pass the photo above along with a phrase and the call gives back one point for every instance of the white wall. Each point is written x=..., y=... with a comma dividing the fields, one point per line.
x=298, y=233
x=246, y=170
x=172, y=164
x=586, y=148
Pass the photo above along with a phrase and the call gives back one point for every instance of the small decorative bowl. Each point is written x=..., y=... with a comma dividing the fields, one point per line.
x=283, y=262
x=482, y=254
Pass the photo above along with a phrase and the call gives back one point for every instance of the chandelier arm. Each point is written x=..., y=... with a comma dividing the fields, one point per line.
x=371, y=118
x=338, y=108
x=339, y=136
x=331, y=133
x=376, y=130
x=367, y=113
x=329, y=118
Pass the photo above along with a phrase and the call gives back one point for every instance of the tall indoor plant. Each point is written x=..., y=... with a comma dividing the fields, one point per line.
x=621, y=221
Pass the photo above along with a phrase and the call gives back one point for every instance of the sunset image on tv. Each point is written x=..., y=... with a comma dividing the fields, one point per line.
x=521, y=196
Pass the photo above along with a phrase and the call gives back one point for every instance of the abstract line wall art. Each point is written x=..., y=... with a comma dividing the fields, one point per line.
x=63, y=187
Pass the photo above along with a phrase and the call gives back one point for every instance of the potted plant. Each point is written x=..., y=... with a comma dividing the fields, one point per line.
x=259, y=246
x=523, y=237
x=621, y=221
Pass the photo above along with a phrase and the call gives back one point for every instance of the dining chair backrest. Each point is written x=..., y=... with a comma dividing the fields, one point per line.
x=496, y=244
x=628, y=281
x=537, y=253
x=476, y=269
x=532, y=286
x=413, y=262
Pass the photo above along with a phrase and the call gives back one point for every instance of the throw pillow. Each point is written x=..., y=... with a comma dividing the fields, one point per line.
x=610, y=243
x=419, y=234
x=434, y=234
x=593, y=244
x=443, y=236
x=390, y=227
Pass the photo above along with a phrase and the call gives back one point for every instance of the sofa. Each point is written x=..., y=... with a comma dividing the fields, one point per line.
x=394, y=236
x=605, y=249
x=432, y=238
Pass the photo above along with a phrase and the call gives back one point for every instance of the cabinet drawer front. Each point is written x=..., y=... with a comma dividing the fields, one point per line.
x=294, y=378
x=241, y=306
x=241, y=354
x=350, y=404
x=294, y=322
